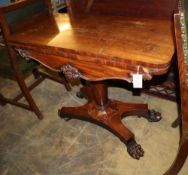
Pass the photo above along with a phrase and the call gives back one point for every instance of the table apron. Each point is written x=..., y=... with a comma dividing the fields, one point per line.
x=89, y=69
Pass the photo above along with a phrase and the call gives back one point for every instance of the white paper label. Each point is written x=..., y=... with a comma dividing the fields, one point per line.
x=137, y=81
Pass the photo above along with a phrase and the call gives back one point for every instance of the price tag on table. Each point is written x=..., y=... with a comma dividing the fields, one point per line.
x=137, y=81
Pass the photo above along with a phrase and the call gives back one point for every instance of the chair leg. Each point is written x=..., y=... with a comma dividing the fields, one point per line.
x=177, y=122
x=57, y=77
x=21, y=83
x=64, y=81
x=36, y=73
x=4, y=101
x=180, y=158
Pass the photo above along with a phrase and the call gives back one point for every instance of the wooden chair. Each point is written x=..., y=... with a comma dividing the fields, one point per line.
x=181, y=30
x=10, y=16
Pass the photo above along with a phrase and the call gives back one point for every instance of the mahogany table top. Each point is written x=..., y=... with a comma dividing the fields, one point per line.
x=132, y=40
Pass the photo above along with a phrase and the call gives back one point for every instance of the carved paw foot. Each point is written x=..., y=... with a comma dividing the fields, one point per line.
x=135, y=150
x=153, y=116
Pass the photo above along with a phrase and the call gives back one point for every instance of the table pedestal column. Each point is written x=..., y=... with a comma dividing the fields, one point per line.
x=108, y=114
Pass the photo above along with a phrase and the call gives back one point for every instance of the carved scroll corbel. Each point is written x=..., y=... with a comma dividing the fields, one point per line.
x=70, y=72
x=25, y=54
x=144, y=71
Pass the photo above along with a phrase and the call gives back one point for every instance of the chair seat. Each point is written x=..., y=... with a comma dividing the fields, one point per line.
x=5, y=68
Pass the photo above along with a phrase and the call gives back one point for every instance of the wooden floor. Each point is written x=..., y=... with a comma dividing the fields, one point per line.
x=55, y=147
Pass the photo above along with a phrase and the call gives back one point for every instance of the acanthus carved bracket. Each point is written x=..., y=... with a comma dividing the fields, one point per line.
x=146, y=75
x=70, y=72
x=25, y=54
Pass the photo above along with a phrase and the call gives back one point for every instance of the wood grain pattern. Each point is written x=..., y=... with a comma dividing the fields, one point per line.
x=110, y=41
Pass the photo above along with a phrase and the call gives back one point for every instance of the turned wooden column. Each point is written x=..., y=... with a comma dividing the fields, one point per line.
x=100, y=94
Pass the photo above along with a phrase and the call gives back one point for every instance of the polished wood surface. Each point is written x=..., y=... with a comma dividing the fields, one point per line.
x=108, y=113
x=110, y=41
x=99, y=47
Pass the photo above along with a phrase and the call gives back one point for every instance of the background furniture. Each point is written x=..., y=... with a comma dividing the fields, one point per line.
x=181, y=29
x=20, y=68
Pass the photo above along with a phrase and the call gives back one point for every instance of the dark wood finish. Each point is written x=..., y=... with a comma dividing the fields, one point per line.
x=39, y=76
x=15, y=27
x=22, y=84
x=107, y=113
x=183, y=72
x=113, y=49
x=100, y=47
x=159, y=9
